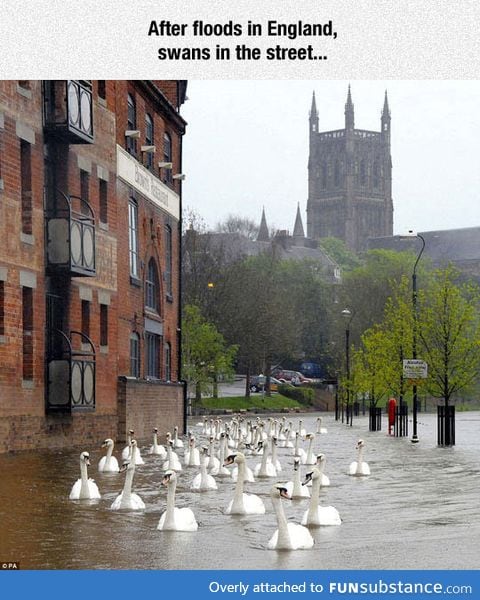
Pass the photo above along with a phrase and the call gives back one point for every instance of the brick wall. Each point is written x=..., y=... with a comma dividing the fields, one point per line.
x=24, y=423
x=143, y=405
x=24, y=432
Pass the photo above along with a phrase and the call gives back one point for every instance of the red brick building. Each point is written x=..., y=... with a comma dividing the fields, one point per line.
x=90, y=205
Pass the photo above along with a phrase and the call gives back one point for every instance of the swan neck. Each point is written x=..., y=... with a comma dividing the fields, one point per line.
x=84, y=493
x=237, y=505
x=297, y=484
x=360, y=455
x=170, y=512
x=283, y=535
x=314, y=500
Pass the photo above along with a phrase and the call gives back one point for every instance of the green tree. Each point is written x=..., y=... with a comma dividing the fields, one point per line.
x=259, y=314
x=367, y=289
x=206, y=357
x=449, y=331
x=338, y=251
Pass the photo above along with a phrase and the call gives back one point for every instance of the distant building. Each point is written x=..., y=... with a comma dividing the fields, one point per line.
x=296, y=246
x=89, y=263
x=459, y=247
x=349, y=180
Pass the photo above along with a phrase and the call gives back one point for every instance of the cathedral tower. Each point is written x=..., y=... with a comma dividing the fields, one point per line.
x=350, y=180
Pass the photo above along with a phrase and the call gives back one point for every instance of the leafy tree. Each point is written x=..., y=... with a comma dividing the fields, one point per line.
x=337, y=249
x=205, y=355
x=367, y=289
x=238, y=224
x=259, y=315
x=449, y=330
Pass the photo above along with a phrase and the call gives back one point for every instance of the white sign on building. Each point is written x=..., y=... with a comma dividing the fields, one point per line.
x=140, y=178
x=414, y=369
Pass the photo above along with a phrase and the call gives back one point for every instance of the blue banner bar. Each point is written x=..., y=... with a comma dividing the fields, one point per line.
x=218, y=585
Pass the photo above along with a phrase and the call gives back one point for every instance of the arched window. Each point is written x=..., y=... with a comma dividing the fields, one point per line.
x=167, y=157
x=149, y=137
x=134, y=355
x=152, y=287
x=131, y=143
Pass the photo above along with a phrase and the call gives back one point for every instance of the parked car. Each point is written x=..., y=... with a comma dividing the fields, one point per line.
x=258, y=382
x=293, y=377
x=311, y=370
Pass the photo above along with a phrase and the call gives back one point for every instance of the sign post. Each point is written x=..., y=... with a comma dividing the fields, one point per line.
x=415, y=369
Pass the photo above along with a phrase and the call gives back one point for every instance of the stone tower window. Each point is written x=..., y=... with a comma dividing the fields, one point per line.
x=324, y=175
x=336, y=173
x=363, y=173
x=376, y=175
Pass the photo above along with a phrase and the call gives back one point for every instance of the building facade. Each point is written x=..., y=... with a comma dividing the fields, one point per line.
x=90, y=204
x=349, y=180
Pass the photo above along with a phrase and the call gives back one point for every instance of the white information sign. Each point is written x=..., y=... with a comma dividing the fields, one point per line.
x=414, y=369
x=140, y=178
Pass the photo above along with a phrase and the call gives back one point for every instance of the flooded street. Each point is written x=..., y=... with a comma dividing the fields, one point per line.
x=419, y=509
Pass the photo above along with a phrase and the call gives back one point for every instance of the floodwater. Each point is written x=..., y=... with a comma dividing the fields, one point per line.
x=419, y=509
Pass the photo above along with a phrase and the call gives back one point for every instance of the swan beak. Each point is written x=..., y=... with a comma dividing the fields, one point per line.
x=124, y=467
x=229, y=460
x=308, y=478
x=284, y=493
x=166, y=479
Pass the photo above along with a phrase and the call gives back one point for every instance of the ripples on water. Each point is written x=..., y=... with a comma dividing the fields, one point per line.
x=418, y=509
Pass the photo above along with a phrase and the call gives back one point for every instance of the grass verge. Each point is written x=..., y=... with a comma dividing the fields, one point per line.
x=256, y=401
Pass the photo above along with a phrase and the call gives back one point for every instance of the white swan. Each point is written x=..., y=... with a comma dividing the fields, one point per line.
x=359, y=467
x=126, y=452
x=157, y=448
x=220, y=470
x=318, y=515
x=172, y=463
x=321, y=461
x=301, y=430
x=127, y=499
x=213, y=462
x=310, y=458
x=320, y=429
x=84, y=488
x=242, y=504
x=175, y=519
x=108, y=463
x=295, y=489
x=289, y=536
x=273, y=458
x=176, y=442
x=297, y=451
x=203, y=481
x=192, y=455
x=265, y=468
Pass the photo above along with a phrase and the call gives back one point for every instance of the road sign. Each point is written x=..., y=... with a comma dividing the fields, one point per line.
x=414, y=369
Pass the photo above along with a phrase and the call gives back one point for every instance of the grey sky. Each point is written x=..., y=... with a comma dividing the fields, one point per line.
x=247, y=146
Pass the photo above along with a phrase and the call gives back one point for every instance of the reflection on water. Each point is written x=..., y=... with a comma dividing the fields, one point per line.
x=418, y=509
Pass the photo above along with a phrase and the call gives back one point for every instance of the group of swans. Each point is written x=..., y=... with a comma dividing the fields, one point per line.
x=288, y=535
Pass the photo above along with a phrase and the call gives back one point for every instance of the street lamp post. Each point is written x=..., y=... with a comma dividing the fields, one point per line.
x=348, y=314
x=414, y=334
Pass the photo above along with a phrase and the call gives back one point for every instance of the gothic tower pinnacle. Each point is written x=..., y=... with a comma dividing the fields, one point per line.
x=298, y=230
x=349, y=112
x=313, y=116
x=263, y=230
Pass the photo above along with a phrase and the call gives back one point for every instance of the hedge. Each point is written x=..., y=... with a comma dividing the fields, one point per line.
x=304, y=395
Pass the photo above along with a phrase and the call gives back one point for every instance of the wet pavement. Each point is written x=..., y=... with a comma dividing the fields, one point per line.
x=419, y=509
